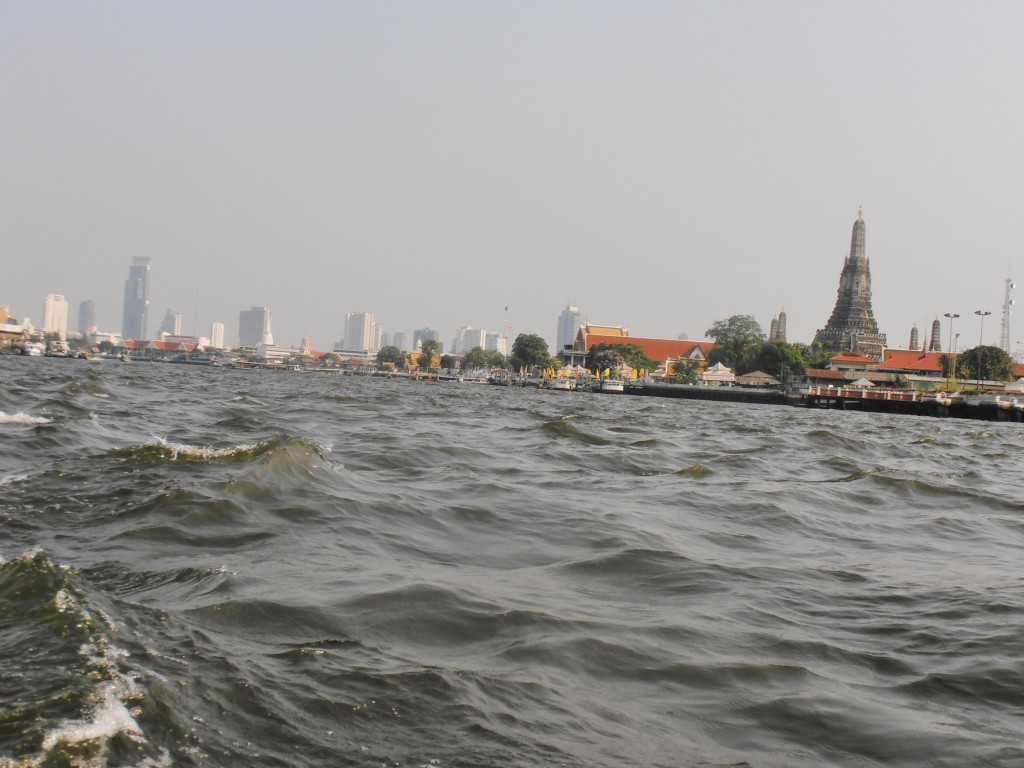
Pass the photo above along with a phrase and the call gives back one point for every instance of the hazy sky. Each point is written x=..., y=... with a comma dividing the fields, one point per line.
x=659, y=164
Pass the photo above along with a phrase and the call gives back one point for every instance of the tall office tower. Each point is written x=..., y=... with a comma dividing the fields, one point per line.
x=913, y=339
x=87, y=317
x=568, y=326
x=359, y=331
x=217, y=335
x=385, y=340
x=495, y=342
x=136, y=300
x=378, y=337
x=936, y=343
x=852, y=326
x=398, y=340
x=171, y=324
x=253, y=325
x=466, y=338
x=55, y=315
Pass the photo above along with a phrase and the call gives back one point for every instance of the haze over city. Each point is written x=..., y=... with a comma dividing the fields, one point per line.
x=658, y=165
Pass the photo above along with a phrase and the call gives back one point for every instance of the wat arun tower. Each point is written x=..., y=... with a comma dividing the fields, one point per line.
x=852, y=327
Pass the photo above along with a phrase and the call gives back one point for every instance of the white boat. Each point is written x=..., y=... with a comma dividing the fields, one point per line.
x=611, y=386
x=562, y=385
x=58, y=348
x=32, y=348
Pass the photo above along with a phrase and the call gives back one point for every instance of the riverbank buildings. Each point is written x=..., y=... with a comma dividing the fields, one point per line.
x=852, y=327
x=136, y=300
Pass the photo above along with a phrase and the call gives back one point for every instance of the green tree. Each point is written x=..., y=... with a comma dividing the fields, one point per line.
x=390, y=354
x=529, y=351
x=736, y=331
x=495, y=359
x=686, y=371
x=734, y=337
x=776, y=358
x=477, y=357
x=428, y=351
x=986, y=363
x=602, y=357
x=449, y=362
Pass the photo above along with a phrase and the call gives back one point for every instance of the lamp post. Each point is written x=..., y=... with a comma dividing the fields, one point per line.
x=952, y=364
x=981, y=336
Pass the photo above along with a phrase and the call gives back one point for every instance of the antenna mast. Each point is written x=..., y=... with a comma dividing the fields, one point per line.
x=1008, y=302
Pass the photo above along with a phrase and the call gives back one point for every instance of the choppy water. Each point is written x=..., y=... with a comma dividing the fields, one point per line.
x=204, y=567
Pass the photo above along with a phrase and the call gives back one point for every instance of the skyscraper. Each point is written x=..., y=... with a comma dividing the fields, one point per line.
x=254, y=326
x=496, y=342
x=55, y=315
x=852, y=327
x=398, y=340
x=568, y=325
x=171, y=324
x=217, y=335
x=87, y=317
x=136, y=299
x=359, y=331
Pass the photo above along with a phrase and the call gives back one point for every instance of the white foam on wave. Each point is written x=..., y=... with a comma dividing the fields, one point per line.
x=203, y=452
x=22, y=418
x=12, y=479
x=108, y=719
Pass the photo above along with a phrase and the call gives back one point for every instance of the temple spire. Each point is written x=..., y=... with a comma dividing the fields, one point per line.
x=857, y=240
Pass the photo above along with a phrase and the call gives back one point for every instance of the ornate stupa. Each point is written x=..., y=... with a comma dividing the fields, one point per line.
x=852, y=327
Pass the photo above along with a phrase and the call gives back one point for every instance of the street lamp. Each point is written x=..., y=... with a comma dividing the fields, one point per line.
x=981, y=336
x=952, y=316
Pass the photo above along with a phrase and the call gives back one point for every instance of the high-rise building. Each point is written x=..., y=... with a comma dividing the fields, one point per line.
x=87, y=317
x=424, y=334
x=55, y=315
x=217, y=335
x=171, y=324
x=254, y=326
x=852, y=326
x=359, y=332
x=496, y=342
x=568, y=326
x=398, y=340
x=466, y=338
x=136, y=300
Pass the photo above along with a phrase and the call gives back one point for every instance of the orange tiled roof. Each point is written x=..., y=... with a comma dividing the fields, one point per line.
x=851, y=359
x=604, y=330
x=911, y=360
x=1018, y=370
x=825, y=373
x=656, y=349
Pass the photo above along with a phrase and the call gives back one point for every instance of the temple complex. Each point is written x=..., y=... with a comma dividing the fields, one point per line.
x=852, y=327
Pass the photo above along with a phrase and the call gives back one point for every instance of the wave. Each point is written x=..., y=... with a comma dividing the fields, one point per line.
x=160, y=449
x=59, y=662
x=23, y=418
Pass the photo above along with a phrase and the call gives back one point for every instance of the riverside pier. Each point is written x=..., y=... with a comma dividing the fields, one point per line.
x=984, y=407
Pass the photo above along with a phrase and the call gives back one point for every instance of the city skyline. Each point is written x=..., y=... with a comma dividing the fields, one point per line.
x=662, y=167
